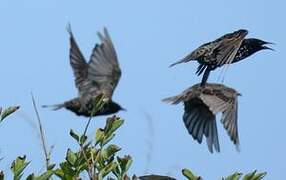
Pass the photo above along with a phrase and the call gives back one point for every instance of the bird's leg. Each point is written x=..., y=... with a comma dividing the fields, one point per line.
x=206, y=76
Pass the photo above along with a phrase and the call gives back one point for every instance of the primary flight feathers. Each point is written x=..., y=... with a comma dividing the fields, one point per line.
x=201, y=105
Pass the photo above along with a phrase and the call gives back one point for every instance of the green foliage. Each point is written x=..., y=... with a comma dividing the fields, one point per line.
x=8, y=111
x=98, y=158
x=189, y=175
x=18, y=167
x=250, y=176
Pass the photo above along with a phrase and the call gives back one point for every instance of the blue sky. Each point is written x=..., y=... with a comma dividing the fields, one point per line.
x=148, y=36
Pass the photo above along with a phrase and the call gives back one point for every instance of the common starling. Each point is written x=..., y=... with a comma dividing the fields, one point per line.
x=99, y=76
x=227, y=49
x=155, y=177
x=201, y=104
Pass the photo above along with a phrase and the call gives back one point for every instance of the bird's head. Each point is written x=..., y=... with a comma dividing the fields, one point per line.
x=242, y=32
x=259, y=44
x=114, y=107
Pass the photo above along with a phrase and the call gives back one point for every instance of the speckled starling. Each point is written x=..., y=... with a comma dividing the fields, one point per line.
x=227, y=49
x=201, y=104
x=99, y=76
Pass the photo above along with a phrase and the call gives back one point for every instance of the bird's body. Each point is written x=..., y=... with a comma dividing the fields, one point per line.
x=75, y=105
x=201, y=104
x=98, y=76
x=227, y=49
x=155, y=177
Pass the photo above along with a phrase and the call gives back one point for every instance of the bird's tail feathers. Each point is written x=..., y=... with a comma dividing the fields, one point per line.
x=54, y=107
x=188, y=58
x=173, y=100
x=184, y=60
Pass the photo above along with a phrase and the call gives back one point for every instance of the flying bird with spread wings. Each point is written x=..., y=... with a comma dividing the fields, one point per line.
x=228, y=49
x=201, y=105
x=98, y=76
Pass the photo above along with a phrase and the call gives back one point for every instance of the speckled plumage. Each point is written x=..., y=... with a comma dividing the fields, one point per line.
x=227, y=49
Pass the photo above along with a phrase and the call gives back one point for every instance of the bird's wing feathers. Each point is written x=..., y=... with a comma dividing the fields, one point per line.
x=227, y=48
x=201, y=106
x=224, y=100
x=104, y=70
x=229, y=120
x=199, y=121
x=77, y=62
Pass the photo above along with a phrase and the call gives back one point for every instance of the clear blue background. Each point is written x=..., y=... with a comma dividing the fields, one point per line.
x=148, y=36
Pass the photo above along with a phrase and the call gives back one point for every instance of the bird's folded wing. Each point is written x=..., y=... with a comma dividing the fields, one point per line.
x=104, y=70
x=77, y=62
x=227, y=49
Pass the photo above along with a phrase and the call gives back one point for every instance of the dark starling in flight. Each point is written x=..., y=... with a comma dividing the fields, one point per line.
x=99, y=76
x=201, y=106
x=155, y=177
x=227, y=49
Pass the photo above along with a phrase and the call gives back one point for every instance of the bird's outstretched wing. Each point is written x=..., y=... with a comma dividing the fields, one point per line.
x=220, y=98
x=201, y=106
x=78, y=63
x=103, y=70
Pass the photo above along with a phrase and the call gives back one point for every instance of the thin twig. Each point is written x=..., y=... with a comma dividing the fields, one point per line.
x=91, y=172
x=90, y=169
x=87, y=125
x=47, y=158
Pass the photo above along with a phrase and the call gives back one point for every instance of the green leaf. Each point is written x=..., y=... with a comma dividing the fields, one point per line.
x=188, y=174
x=108, y=168
x=235, y=176
x=71, y=157
x=82, y=139
x=124, y=164
x=99, y=136
x=254, y=176
x=67, y=169
x=45, y=176
x=112, y=124
x=74, y=135
x=31, y=177
x=18, y=167
x=60, y=173
x=107, y=140
x=110, y=151
x=116, y=172
x=8, y=111
x=51, y=166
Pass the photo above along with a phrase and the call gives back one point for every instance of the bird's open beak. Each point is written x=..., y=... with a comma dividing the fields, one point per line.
x=269, y=43
x=266, y=47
